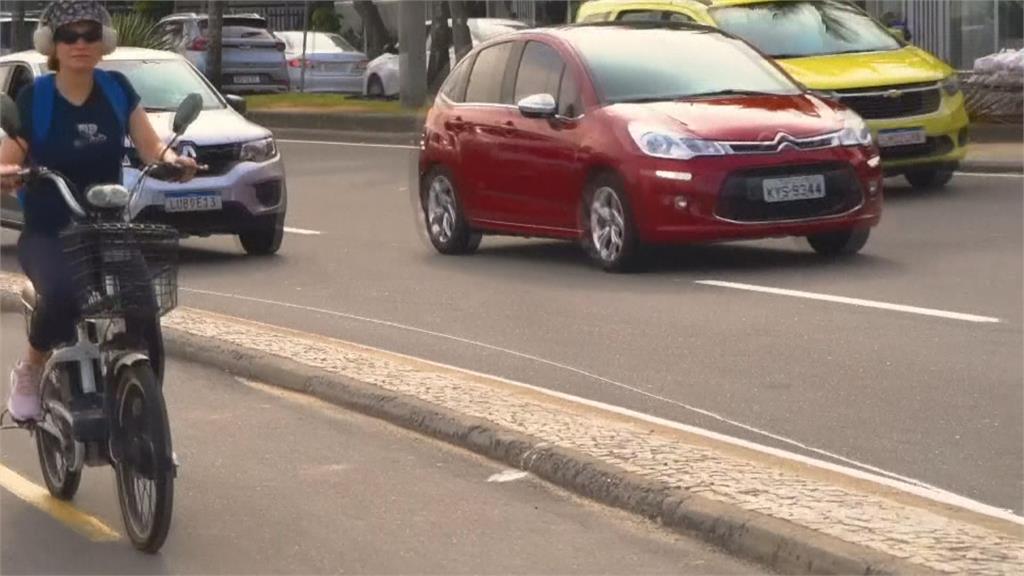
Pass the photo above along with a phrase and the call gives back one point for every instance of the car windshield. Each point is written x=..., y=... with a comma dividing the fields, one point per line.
x=630, y=65
x=163, y=84
x=805, y=28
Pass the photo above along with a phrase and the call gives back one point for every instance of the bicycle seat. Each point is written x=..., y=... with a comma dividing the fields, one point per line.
x=28, y=296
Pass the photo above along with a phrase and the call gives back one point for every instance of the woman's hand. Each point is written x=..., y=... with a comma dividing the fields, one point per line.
x=9, y=179
x=188, y=166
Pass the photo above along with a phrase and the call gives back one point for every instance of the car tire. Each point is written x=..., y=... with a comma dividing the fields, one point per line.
x=609, y=232
x=265, y=236
x=931, y=178
x=839, y=243
x=445, y=223
x=375, y=87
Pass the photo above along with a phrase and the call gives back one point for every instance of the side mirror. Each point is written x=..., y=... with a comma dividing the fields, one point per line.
x=10, y=119
x=538, y=106
x=900, y=34
x=187, y=113
x=237, y=102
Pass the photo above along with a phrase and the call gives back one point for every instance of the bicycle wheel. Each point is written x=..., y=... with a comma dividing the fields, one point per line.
x=145, y=471
x=56, y=455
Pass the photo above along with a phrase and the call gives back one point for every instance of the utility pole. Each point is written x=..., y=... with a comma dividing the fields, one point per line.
x=305, y=31
x=215, y=51
x=412, y=61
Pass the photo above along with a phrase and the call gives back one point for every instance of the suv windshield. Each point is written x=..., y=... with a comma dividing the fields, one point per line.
x=792, y=29
x=659, y=64
x=163, y=84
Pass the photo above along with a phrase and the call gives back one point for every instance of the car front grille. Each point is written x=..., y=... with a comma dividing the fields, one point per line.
x=893, y=101
x=781, y=142
x=741, y=198
x=937, y=146
x=220, y=158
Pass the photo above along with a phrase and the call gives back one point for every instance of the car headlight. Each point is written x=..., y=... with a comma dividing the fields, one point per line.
x=855, y=131
x=664, y=144
x=258, y=150
x=951, y=85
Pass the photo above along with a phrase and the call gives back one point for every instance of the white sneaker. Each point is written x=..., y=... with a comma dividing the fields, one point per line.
x=24, y=403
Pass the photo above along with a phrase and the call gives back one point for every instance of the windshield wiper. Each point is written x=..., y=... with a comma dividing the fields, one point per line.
x=732, y=92
x=158, y=109
x=650, y=99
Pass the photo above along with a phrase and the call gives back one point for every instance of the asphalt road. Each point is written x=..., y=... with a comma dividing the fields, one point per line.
x=933, y=398
x=272, y=483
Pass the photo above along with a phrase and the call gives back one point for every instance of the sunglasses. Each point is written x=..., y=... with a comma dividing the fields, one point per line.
x=68, y=35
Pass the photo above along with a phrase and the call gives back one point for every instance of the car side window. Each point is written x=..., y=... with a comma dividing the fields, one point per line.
x=21, y=76
x=597, y=17
x=488, y=72
x=653, y=16
x=454, y=87
x=569, y=105
x=540, y=71
x=679, y=17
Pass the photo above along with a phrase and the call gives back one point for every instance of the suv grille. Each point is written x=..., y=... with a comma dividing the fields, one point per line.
x=220, y=158
x=893, y=101
x=742, y=196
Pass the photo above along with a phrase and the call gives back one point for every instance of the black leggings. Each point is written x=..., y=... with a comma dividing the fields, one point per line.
x=43, y=260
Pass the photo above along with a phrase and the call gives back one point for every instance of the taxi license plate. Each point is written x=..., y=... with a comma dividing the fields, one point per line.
x=192, y=201
x=793, y=188
x=903, y=137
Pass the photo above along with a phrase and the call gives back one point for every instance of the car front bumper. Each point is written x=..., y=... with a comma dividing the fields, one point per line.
x=250, y=192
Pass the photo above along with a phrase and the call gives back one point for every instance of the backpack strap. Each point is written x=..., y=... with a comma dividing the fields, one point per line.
x=43, y=93
x=115, y=95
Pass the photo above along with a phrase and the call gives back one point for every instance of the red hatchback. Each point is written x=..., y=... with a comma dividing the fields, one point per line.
x=622, y=136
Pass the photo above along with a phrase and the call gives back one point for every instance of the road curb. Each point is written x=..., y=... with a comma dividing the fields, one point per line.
x=772, y=542
x=985, y=167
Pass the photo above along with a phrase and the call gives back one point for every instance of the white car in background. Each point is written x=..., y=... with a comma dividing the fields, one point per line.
x=332, y=64
x=382, y=73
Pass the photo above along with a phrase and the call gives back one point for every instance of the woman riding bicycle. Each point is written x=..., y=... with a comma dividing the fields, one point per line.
x=89, y=113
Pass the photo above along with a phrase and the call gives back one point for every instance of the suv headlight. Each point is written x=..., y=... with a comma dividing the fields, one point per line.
x=664, y=144
x=258, y=150
x=855, y=132
x=951, y=85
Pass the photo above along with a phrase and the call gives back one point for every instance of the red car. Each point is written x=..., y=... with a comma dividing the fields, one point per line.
x=626, y=135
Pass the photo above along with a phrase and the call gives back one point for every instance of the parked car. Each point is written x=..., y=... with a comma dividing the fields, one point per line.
x=382, y=73
x=28, y=27
x=252, y=58
x=910, y=99
x=578, y=133
x=332, y=64
x=243, y=192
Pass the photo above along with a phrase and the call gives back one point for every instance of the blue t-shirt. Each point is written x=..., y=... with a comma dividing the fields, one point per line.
x=85, y=143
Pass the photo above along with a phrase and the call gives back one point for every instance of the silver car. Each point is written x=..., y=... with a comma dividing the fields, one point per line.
x=332, y=64
x=252, y=59
x=244, y=191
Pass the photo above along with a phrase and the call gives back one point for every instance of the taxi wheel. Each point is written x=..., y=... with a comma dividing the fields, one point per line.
x=933, y=178
x=840, y=242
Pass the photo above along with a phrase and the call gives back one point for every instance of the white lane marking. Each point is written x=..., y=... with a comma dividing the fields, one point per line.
x=991, y=174
x=302, y=231
x=352, y=144
x=510, y=475
x=850, y=301
x=866, y=471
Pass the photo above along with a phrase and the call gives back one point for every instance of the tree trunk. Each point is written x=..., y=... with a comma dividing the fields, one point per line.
x=374, y=30
x=19, y=40
x=215, y=33
x=461, y=39
x=438, y=61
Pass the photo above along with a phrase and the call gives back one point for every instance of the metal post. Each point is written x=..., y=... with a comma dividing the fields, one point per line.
x=412, y=60
x=305, y=31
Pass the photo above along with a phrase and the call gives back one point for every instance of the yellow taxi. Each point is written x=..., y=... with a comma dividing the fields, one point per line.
x=910, y=99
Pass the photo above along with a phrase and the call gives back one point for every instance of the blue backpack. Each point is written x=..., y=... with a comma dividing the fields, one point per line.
x=45, y=91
